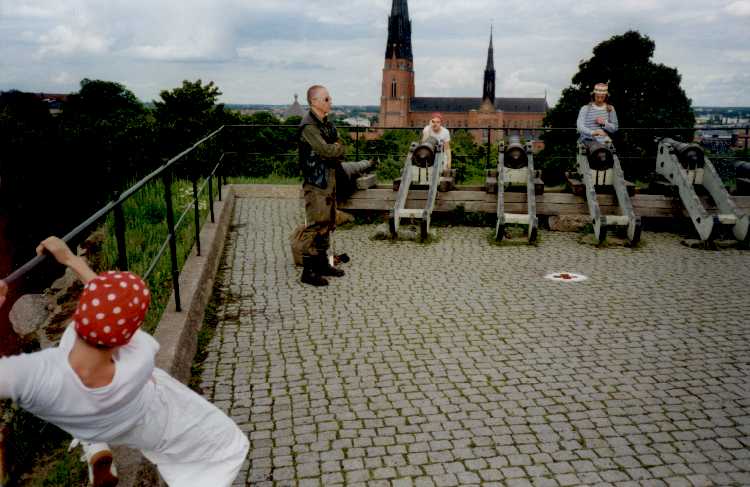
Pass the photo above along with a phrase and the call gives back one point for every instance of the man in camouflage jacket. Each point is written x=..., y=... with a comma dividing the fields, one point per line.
x=320, y=153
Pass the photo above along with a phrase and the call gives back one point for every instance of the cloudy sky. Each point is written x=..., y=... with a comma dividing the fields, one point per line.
x=264, y=51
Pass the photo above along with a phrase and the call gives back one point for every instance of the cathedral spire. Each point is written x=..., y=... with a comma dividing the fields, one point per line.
x=399, y=32
x=489, y=75
x=490, y=55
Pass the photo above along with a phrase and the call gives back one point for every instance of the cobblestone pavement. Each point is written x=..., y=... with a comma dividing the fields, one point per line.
x=457, y=363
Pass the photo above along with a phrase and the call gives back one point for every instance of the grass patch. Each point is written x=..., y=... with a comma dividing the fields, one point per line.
x=45, y=447
x=146, y=230
x=515, y=235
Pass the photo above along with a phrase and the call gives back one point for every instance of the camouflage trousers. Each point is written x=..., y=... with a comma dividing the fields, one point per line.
x=320, y=212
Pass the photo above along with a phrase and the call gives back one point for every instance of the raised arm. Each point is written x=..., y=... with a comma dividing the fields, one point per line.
x=62, y=253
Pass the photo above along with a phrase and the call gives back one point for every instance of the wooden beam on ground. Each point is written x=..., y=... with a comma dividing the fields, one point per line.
x=647, y=205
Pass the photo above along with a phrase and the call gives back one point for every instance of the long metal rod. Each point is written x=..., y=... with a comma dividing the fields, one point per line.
x=197, y=212
x=527, y=129
x=31, y=264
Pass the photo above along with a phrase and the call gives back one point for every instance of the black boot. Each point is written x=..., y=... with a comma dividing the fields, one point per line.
x=311, y=273
x=326, y=269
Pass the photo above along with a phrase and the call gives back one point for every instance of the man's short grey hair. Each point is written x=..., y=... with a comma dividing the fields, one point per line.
x=312, y=92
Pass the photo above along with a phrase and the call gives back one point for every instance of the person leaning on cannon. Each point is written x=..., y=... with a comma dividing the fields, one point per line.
x=597, y=120
x=320, y=154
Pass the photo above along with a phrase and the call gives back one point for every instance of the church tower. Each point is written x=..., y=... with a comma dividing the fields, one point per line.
x=398, y=70
x=488, y=93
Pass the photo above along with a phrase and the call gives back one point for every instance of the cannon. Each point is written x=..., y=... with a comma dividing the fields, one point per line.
x=600, y=157
x=428, y=154
x=515, y=164
x=354, y=175
x=687, y=167
x=424, y=153
x=599, y=165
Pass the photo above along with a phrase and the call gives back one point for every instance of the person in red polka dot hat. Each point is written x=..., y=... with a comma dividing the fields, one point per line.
x=101, y=385
x=112, y=307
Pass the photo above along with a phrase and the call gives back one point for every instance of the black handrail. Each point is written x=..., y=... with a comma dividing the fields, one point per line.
x=163, y=171
x=116, y=204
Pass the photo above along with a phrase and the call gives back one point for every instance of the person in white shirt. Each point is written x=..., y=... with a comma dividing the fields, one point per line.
x=101, y=386
x=435, y=130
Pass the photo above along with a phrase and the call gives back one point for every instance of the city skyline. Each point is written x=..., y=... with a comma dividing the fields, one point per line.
x=265, y=51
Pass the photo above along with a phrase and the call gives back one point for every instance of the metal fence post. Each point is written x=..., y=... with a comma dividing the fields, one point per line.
x=747, y=133
x=122, y=251
x=197, y=215
x=211, y=197
x=489, y=145
x=218, y=177
x=356, y=144
x=167, y=179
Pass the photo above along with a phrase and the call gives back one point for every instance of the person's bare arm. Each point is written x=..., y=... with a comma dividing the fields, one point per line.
x=62, y=253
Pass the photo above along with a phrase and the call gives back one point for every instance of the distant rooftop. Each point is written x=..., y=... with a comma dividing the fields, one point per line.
x=458, y=104
x=295, y=109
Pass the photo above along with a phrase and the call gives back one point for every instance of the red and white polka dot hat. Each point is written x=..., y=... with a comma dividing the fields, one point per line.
x=112, y=307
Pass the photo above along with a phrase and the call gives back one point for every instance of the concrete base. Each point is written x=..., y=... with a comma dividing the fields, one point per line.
x=177, y=332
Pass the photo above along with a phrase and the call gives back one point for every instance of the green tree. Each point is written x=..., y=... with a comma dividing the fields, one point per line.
x=188, y=113
x=111, y=136
x=30, y=166
x=645, y=95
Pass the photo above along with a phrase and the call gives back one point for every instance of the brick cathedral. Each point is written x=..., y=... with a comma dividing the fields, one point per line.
x=399, y=107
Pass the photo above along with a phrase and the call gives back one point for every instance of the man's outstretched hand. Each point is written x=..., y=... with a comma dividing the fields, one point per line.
x=3, y=292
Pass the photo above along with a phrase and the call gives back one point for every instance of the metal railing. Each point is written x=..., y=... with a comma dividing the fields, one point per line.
x=166, y=173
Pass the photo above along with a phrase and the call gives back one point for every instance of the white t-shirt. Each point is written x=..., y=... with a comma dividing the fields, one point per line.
x=442, y=136
x=44, y=384
x=143, y=407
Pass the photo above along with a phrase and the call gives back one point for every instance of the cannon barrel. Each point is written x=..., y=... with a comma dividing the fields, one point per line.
x=515, y=154
x=354, y=169
x=599, y=156
x=690, y=155
x=742, y=169
x=424, y=153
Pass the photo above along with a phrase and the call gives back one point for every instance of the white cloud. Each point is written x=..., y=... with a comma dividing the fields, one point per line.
x=65, y=40
x=740, y=8
x=281, y=46
x=63, y=78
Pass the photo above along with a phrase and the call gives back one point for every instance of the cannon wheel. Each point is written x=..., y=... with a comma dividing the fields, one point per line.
x=392, y=226
x=532, y=234
x=636, y=236
x=499, y=232
x=602, y=234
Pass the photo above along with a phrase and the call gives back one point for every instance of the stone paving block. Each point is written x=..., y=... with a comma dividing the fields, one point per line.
x=516, y=373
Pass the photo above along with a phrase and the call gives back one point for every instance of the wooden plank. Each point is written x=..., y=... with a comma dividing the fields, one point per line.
x=647, y=205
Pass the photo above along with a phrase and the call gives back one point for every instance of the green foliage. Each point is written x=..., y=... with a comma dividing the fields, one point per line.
x=644, y=94
x=145, y=214
x=187, y=114
x=39, y=453
x=468, y=158
x=389, y=169
x=262, y=151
